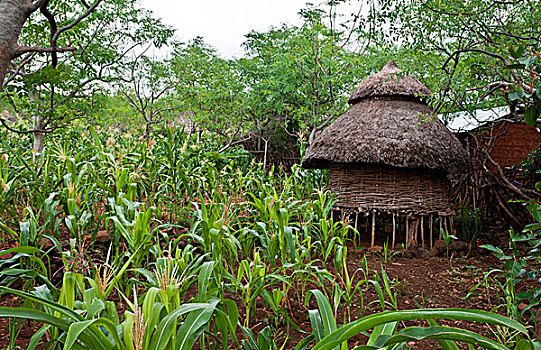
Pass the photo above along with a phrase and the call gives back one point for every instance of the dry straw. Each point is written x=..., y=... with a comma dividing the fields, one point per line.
x=388, y=124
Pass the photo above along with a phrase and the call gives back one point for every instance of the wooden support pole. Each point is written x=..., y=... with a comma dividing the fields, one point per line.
x=431, y=223
x=422, y=231
x=394, y=231
x=417, y=233
x=373, y=229
x=441, y=225
x=407, y=231
x=445, y=226
x=366, y=223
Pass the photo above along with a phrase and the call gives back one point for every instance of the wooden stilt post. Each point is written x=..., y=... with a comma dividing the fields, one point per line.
x=394, y=231
x=441, y=225
x=445, y=226
x=367, y=221
x=422, y=231
x=407, y=231
x=416, y=232
x=356, y=228
x=431, y=223
x=373, y=229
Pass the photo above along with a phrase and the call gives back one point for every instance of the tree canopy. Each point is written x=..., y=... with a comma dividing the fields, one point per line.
x=471, y=54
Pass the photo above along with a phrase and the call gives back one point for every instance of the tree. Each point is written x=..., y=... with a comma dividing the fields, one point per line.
x=478, y=52
x=48, y=91
x=211, y=90
x=151, y=85
x=13, y=16
x=305, y=74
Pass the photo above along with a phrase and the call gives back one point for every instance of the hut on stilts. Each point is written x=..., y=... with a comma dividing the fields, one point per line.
x=388, y=155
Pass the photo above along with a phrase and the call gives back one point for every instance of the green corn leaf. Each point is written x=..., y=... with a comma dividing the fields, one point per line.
x=120, y=273
x=127, y=330
x=34, y=341
x=317, y=325
x=14, y=235
x=249, y=343
x=165, y=328
x=445, y=344
x=29, y=314
x=54, y=306
x=327, y=316
x=156, y=314
x=21, y=250
x=149, y=302
x=75, y=330
x=204, y=279
x=386, y=329
x=304, y=344
x=524, y=344
x=443, y=333
x=38, y=316
x=227, y=319
x=193, y=326
x=371, y=321
x=264, y=339
x=95, y=308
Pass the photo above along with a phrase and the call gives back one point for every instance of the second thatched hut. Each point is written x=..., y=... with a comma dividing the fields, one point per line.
x=389, y=155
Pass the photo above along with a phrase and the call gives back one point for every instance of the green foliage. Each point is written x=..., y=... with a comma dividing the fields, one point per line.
x=191, y=231
x=469, y=224
x=192, y=224
x=386, y=335
x=47, y=92
x=473, y=53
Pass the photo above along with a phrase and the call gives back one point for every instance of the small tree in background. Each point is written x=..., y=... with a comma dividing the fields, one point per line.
x=48, y=91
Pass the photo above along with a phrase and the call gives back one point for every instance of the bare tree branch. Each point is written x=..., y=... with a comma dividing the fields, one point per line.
x=26, y=49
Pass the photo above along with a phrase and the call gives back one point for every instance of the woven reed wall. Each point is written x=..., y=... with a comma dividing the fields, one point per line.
x=388, y=189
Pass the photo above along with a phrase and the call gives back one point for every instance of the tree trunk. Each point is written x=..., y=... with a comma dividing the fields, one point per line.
x=39, y=142
x=39, y=139
x=147, y=132
x=13, y=14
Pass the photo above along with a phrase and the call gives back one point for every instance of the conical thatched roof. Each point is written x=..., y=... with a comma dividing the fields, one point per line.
x=388, y=125
x=389, y=82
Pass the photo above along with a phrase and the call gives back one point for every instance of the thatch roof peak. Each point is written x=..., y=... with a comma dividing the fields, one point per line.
x=391, y=67
x=390, y=82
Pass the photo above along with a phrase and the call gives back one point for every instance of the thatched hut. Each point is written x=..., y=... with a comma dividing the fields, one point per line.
x=388, y=154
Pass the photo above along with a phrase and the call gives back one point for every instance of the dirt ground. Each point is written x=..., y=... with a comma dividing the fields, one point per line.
x=437, y=282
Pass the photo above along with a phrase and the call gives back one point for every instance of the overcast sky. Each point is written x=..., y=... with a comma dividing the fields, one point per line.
x=223, y=23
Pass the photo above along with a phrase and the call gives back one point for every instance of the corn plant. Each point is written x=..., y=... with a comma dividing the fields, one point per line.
x=251, y=279
x=134, y=225
x=353, y=285
x=26, y=264
x=93, y=323
x=276, y=233
x=179, y=268
x=386, y=335
x=264, y=340
x=210, y=229
x=384, y=287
